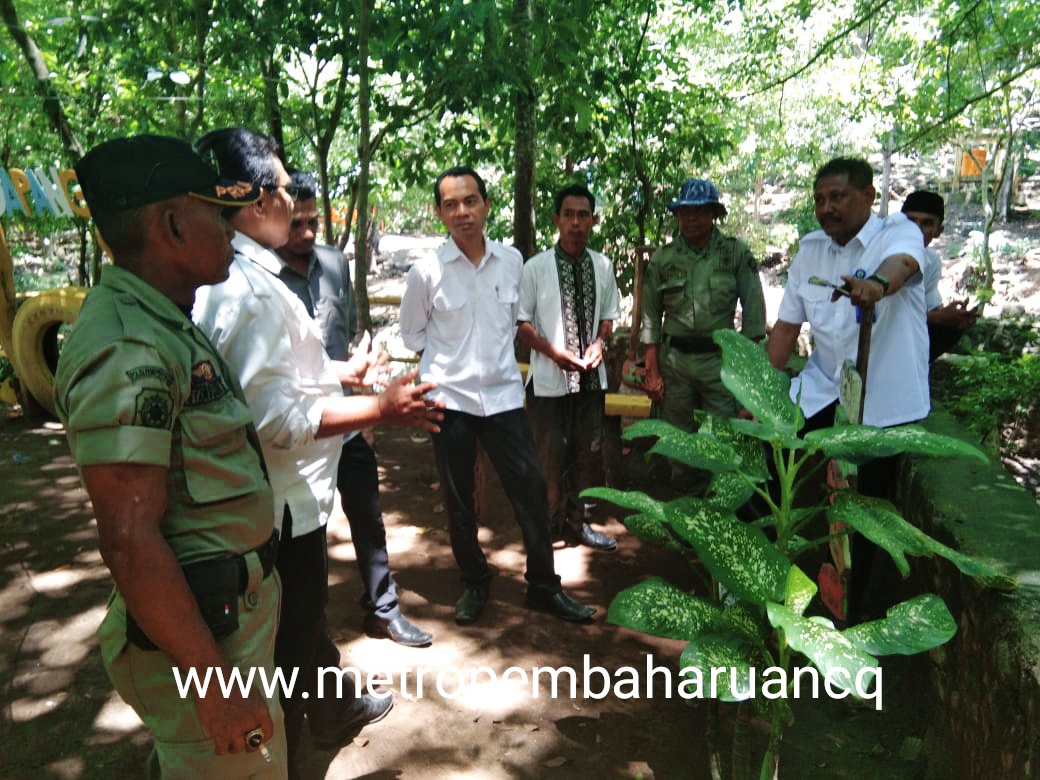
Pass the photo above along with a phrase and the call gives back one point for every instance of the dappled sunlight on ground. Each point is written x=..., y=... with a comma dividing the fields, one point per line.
x=66, y=768
x=63, y=720
x=116, y=717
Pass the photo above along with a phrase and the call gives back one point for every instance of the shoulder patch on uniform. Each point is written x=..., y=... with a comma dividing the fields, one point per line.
x=206, y=384
x=150, y=372
x=154, y=408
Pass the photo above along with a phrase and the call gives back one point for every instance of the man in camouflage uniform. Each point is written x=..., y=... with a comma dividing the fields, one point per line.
x=169, y=456
x=691, y=289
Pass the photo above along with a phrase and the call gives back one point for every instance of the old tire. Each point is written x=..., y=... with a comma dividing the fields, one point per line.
x=37, y=327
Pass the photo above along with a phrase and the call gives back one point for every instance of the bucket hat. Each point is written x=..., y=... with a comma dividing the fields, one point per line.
x=698, y=192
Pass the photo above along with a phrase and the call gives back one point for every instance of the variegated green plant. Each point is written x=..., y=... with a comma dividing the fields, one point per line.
x=762, y=624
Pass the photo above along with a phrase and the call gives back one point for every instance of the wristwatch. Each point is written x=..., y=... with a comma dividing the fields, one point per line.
x=882, y=280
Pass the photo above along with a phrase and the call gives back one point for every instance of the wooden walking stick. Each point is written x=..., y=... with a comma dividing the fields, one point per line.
x=852, y=393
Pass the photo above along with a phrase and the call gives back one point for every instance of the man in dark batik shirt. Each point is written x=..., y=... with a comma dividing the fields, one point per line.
x=568, y=303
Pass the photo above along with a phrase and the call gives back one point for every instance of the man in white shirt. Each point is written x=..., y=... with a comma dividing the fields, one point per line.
x=568, y=303
x=877, y=260
x=320, y=278
x=946, y=324
x=459, y=313
x=294, y=391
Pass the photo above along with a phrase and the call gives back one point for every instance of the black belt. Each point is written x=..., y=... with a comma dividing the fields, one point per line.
x=215, y=583
x=692, y=345
x=267, y=553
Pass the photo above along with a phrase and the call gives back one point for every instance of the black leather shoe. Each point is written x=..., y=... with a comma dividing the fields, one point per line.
x=561, y=605
x=594, y=539
x=470, y=605
x=400, y=630
x=363, y=711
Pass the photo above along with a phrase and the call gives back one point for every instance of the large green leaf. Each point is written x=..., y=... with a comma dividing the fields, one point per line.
x=760, y=388
x=658, y=608
x=746, y=620
x=911, y=627
x=859, y=443
x=696, y=450
x=723, y=651
x=751, y=452
x=628, y=499
x=880, y=522
x=737, y=555
x=769, y=433
x=973, y=567
x=800, y=591
x=730, y=491
x=644, y=428
x=827, y=648
x=656, y=532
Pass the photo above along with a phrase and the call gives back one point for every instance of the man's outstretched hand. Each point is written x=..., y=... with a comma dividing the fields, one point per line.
x=405, y=404
x=366, y=367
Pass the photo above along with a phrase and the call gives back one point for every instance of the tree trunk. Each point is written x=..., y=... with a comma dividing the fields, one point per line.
x=348, y=215
x=985, y=260
x=364, y=162
x=51, y=101
x=524, y=149
x=326, y=200
x=886, y=173
x=272, y=74
x=1007, y=178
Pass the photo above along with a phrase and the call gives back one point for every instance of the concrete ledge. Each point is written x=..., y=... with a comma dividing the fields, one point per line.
x=983, y=687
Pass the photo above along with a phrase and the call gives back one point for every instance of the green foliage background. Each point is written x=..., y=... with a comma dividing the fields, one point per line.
x=630, y=98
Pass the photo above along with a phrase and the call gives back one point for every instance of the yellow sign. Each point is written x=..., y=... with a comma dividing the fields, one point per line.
x=40, y=192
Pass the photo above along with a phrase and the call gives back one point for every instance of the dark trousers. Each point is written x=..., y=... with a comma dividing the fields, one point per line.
x=358, y=483
x=303, y=640
x=506, y=439
x=568, y=434
x=941, y=339
x=875, y=478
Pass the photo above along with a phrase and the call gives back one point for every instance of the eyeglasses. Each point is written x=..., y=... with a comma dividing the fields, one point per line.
x=290, y=189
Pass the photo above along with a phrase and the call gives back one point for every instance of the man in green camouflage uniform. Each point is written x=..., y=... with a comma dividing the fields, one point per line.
x=691, y=289
x=167, y=450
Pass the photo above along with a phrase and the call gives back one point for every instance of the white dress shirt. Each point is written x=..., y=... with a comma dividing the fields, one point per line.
x=932, y=298
x=265, y=334
x=540, y=305
x=897, y=379
x=462, y=318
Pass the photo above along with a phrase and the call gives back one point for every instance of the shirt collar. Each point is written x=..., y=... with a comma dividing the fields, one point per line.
x=866, y=233
x=256, y=252
x=122, y=281
x=284, y=267
x=711, y=240
x=562, y=254
x=449, y=251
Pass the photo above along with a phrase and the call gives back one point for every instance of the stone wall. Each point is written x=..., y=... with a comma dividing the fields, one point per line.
x=984, y=685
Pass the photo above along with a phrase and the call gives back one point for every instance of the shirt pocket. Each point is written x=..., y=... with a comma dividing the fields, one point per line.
x=451, y=313
x=674, y=304
x=219, y=462
x=826, y=317
x=723, y=292
x=507, y=305
x=819, y=307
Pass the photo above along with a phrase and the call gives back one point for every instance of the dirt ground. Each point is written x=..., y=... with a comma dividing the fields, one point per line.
x=61, y=718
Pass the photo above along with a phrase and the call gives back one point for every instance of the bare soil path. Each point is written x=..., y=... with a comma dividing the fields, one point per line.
x=61, y=719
